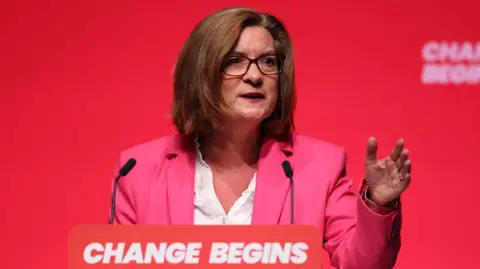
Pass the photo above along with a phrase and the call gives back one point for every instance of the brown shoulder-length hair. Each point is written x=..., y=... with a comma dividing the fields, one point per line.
x=198, y=78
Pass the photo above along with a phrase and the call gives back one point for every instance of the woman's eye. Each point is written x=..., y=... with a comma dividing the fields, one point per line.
x=234, y=60
x=269, y=61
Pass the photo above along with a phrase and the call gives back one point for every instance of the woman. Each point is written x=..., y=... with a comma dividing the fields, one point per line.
x=234, y=96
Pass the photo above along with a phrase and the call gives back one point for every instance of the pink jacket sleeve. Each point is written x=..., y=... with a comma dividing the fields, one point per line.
x=355, y=236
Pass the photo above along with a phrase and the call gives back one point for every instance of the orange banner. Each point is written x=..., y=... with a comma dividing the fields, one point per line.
x=137, y=246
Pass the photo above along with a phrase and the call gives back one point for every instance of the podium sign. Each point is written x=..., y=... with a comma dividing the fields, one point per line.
x=139, y=246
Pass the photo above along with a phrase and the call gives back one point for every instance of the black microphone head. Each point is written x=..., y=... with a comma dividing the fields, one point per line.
x=287, y=169
x=127, y=167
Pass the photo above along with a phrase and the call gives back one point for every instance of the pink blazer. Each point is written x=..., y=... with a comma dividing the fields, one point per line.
x=160, y=190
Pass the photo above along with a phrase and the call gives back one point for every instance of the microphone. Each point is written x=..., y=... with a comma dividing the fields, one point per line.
x=126, y=168
x=287, y=169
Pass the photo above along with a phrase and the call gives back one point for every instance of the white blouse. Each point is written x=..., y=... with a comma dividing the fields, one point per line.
x=208, y=209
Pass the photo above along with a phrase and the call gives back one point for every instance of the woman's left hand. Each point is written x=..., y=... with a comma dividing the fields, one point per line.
x=387, y=178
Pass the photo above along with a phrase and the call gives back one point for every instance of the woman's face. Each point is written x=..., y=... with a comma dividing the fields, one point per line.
x=248, y=93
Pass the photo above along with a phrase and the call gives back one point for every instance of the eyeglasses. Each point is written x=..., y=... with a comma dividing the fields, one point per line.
x=239, y=65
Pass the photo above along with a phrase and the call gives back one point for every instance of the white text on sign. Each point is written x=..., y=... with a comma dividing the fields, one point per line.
x=189, y=253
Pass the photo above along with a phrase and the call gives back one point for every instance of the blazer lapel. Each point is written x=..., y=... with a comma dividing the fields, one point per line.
x=180, y=177
x=272, y=184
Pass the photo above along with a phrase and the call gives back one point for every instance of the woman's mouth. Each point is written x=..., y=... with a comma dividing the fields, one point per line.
x=253, y=96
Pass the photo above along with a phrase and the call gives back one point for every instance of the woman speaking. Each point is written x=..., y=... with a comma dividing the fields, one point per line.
x=234, y=97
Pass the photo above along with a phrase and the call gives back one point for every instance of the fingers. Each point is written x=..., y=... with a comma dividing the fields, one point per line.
x=406, y=169
x=402, y=159
x=396, y=152
x=372, y=147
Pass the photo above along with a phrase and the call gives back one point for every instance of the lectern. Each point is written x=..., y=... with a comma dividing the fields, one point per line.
x=195, y=246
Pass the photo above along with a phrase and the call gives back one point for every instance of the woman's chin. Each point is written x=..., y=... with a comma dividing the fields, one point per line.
x=252, y=117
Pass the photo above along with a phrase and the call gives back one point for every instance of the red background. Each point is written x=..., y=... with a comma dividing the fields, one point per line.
x=82, y=80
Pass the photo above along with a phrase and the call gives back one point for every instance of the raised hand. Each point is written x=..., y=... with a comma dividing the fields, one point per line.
x=386, y=178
